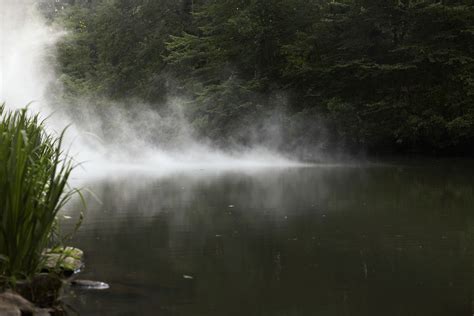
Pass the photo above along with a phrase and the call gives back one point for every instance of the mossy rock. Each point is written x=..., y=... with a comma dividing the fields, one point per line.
x=65, y=261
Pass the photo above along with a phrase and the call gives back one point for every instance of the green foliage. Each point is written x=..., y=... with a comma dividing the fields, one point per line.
x=33, y=188
x=381, y=75
x=115, y=48
x=390, y=75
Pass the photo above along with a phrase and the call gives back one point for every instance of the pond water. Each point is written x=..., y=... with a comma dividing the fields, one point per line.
x=378, y=239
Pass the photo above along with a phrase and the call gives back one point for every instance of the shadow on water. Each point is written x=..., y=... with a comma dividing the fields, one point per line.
x=374, y=240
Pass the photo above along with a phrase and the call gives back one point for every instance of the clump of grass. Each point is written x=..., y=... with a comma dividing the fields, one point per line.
x=33, y=187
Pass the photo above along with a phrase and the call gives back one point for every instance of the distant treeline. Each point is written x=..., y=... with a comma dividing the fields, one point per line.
x=382, y=76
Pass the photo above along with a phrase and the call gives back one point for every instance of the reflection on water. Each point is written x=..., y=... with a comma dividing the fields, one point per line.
x=377, y=240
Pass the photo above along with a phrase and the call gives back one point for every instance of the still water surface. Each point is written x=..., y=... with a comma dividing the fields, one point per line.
x=384, y=239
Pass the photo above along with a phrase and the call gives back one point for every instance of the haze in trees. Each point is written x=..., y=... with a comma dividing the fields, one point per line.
x=390, y=76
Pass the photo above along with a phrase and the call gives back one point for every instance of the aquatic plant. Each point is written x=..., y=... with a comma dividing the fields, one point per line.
x=34, y=172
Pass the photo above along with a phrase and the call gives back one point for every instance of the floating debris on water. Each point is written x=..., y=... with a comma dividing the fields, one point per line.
x=90, y=285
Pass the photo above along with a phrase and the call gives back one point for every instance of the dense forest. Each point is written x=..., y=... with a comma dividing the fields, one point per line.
x=393, y=76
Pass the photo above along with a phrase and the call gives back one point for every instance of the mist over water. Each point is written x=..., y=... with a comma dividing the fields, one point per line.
x=126, y=137
x=176, y=226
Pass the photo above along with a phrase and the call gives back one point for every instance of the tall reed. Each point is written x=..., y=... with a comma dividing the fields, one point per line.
x=33, y=188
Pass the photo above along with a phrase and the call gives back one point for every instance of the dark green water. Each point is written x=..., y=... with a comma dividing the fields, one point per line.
x=391, y=239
